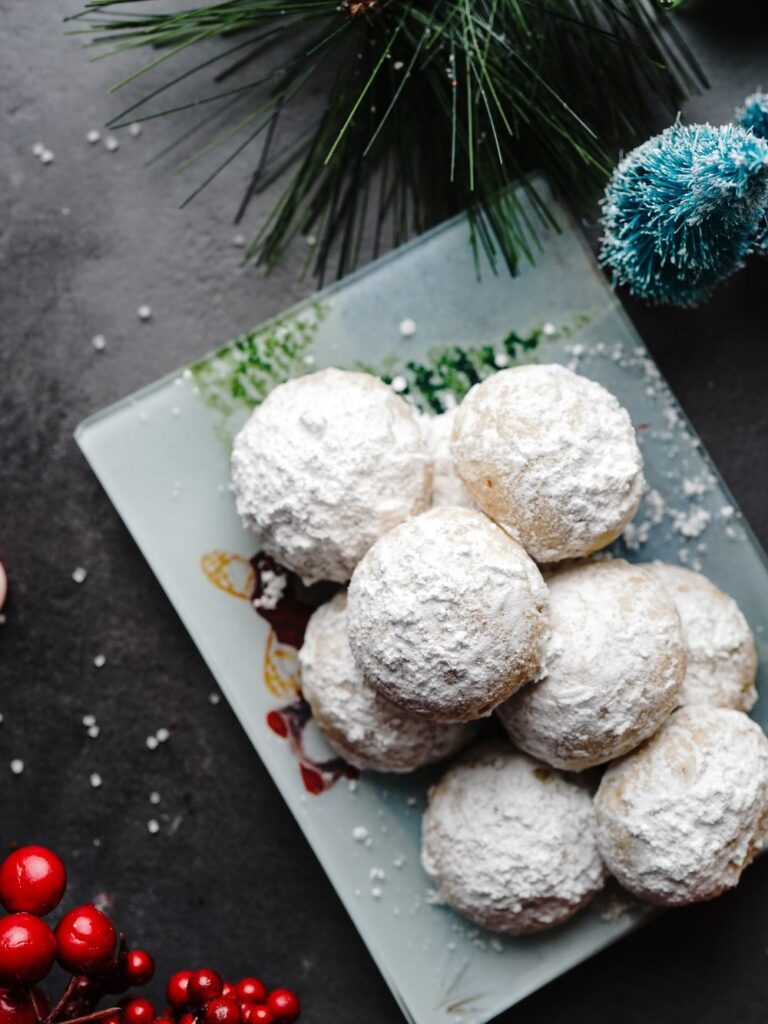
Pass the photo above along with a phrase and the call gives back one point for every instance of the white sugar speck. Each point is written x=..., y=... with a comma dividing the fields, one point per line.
x=359, y=833
x=407, y=327
x=46, y=157
x=154, y=797
x=549, y=329
x=352, y=784
x=96, y=780
x=376, y=892
x=111, y=143
x=500, y=360
x=377, y=874
x=134, y=130
x=694, y=486
x=38, y=149
x=162, y=735
x=93, y=136
x=239, y=241
x=99, y=342
x=214, y=698
x=399, y=862
x=144, y=312
x=434, y=898
x=692, y=524
x=152, y=742
x=79, y=574
x=17, y=766
x=89, y=720
x=93, y=732
x=153, y=826
x=100, y=661
x=399, y=384
x=398, y=65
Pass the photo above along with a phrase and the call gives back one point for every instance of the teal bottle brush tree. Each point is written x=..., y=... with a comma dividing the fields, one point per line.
x=683, y=211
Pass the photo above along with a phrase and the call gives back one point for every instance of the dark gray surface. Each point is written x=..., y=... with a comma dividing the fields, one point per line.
x=229, y=881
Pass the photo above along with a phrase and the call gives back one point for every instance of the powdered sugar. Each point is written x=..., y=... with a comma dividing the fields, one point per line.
x=680, y=818
x=722, y=657
x=447, y=486
x=273, y=586
x=365, y=728
x=447, y=615
x=325, y=465
x=612, y=669
x=511, y=843
x=550, y=456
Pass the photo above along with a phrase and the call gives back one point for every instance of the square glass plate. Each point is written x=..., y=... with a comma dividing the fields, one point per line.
x=162, y=456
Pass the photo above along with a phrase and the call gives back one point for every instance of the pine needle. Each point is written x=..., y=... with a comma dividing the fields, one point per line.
x=428, y=107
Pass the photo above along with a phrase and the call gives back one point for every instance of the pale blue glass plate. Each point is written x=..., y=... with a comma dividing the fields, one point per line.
x=162, y=456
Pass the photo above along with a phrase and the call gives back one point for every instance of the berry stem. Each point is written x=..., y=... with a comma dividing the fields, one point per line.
x=68, y=991
x=96, y=1015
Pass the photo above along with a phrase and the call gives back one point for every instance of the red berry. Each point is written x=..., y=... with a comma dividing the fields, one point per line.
x=139, y=967
x=251, y=990
x=27, y=950
x=203, y=986
x=32, y=879
x=86, y=940
x=188, y=1018
x=259, y=1014
x=16, y=1007
x=176, y=989
x=229, y=991
x=113, y=1018
x=222, y=1011
x=138, y=1011
x=284, y=1005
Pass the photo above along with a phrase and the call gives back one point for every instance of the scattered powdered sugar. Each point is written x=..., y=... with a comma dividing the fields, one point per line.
x=691, y=523
x=447, y=486
x=550, y=456
x=638, y=531
x=511, y=844
x=612, y=669
x=447, y=615
x=364, y=727
x=681, y=817
x=273, y=586
x=324, y=466
x=722, y=657
x=360, y=833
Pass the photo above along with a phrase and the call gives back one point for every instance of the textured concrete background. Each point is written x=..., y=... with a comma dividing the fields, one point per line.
x=235, y=884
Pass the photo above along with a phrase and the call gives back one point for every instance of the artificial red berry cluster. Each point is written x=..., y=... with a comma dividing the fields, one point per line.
x=84, y=942
x=202, y=997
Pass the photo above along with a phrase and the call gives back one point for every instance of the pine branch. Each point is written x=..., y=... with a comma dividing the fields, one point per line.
x=429, y=107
